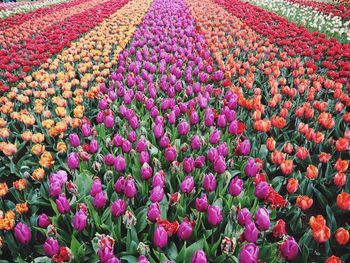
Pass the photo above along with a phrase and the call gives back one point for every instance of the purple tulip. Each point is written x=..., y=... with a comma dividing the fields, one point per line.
x=120, y=185
x=244, y=148
x=244, y=216
x=117, y=140
x=214, y=215
x=99, y=200
x=62, y=204
x=146, y=171
x=251, y=168
x=262, y=219
x=23, y=234
x=158, y=131
x=130, y=189
x=233, y=129
x=141, y=146
x=212, y=154
x=236, y=186
x=194, y=118
x=199, y=162
x=164, y=142
x=170, y=154
x=73, y=161
x=126, y=146
x=196, y=142
x=160, y=238
x=214, y=137
x=251, y=232
x=249, y=253
x=218, y=75
x=157, y=194
x=74, y=139
x=158, y=179
x=221, y=121
x=209, y=182
x=220, y=165
x=96, y=187
x=80, y=220
x=222, y=149
x=209, y=118
x=109, y=121
x=201, y=203
x=185, y=230
x=262, y=190
x=93, y=146
x=43, y=221
x=109, y=159
x=187, y=185
x=183, y=128
x=118, y=208
x=86, y=129
x=144, y=157
x=289, y=248
x=143, y=259
x=51, y=247
x=99, y=117
x=188, y=165
x=199, y=257
x=105, y=254
x=153, y=212
x=119, y=163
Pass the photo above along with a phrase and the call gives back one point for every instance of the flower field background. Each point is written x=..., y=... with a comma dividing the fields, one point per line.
x=175, y=131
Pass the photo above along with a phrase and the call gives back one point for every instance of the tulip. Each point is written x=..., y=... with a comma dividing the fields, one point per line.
x=109, y=121
x=109, y=159
x=209, y=182
x=249, y=253
x=342, y=236
x=196, y=142
x=74, y=139
x=86, y=129
x=289, y=248
x=160, y=238
x=201, y=203
x=185, y=229
x=153, y=212
x=236, y=186
x=220, y=165
x=144, y=157
x=158, y=131
x=262, y=218
x=188, y=165
x=23, y=234
x=43, y=221
x=119, y=185
x=222, y=149
x=119, y=163
x=164, y=142
x=212, y=154
x=279, y=229
x=141, y=146
x=187, y=185
x=170, y=154
x=243, y=216
x=73, y=161
x=244, y=148
x=93, y=146
x=208, y=117
x=261, y=190
x=157, y=194
x=117, y=140
x=214, y=137
x=199, y=257
x=214, y=215
x=51, y=247
x=80, y=221
x=251, y=169
x=199, y=162
x=96, y=187
x=130, y=189
x=99, y=200
x=62, y=204
x=105, y=254
x=146, y=171
x=250, y=232
x=126, y=146
x=183, y=128
x=143, y=259
x=118, y=208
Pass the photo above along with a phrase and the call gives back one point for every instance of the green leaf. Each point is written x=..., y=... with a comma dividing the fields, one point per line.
x=42, y=260
x=186, y=254
x=129, y=259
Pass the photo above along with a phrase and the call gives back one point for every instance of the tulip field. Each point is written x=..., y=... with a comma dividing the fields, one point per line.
x=158, y=131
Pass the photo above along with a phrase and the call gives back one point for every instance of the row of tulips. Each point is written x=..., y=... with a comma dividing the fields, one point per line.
x=312, y=19
x=11, y=9
x=171, y=158
x=27, y=46
x=23, y=200
x=323, y=55
x=313, y=159
x=341, y=11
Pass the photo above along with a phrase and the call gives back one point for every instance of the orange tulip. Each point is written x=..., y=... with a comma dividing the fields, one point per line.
x=304, y=202
x=343, y=201
x=342, y=236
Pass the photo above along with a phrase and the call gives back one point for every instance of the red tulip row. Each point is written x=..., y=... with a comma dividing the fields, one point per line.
x=327, y=8
x=18, y=59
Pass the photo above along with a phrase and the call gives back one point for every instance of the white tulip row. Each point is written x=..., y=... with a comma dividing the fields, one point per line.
x=26, y=7
x=332, y=26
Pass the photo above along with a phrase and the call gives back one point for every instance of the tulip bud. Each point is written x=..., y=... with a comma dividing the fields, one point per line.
x=188, y=165
x=146, y=171
x=199, y=257
x=160, y=238
x=214, y=215
x=51, y=247
x=170, y=154
x=289, y=248
x=220, y=165
x=118, y=208
x=80, y=221
x=201, y=203
x=262, y=218
x=23, y=234
x=93, y=146
x=209, y=182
